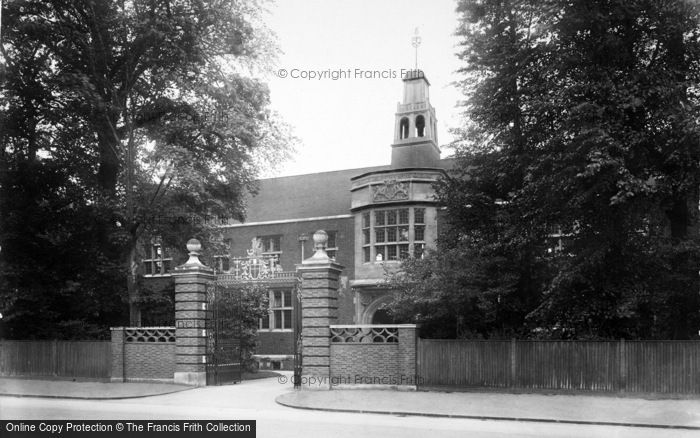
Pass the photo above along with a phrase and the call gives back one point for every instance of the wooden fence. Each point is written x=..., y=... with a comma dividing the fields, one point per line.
x=617, y=366
x=90, y=359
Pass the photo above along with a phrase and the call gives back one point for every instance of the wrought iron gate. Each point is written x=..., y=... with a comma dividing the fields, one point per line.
x=297, y=333
x=224, y=330
x=224, y=327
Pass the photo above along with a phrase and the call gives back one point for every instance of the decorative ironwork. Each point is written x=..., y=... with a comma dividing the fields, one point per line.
x=299, y=288
x=224, y=331
x=363, y=334
x=391, y=190
x=150, y=334
x=255, y=267
x=297, y=332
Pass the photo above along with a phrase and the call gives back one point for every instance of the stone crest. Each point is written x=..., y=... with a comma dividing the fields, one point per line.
x=390, y=190
x=256, y=248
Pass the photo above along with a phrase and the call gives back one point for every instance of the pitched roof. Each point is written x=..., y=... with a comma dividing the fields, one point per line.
x=305, y=196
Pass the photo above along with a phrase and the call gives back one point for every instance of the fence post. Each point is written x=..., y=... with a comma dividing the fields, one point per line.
x=623, y=365
x=191, y=281
x=54, y=353
x=319, y=309
x=419, y=349
x=513, y=375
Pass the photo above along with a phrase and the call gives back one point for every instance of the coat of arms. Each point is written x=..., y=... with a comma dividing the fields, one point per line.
x=391, y=190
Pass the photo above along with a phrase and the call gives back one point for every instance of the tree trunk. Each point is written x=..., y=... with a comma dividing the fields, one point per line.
x=108, y=170
x=132, y=287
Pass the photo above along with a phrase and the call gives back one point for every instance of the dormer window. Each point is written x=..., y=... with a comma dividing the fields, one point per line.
x=420, y=126
x=403, y=128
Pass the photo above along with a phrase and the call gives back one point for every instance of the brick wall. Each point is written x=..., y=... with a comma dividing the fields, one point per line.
x=364, y=363
x=146, y=361
x=373, y=355
x=142, y=354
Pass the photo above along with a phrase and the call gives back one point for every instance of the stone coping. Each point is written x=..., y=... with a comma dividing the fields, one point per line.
x=374, y=326
x=166, y=327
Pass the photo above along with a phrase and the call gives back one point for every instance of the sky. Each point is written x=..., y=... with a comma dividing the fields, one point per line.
x=349, y=122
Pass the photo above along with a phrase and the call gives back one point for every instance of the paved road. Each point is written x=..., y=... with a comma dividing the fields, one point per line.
x=255, y=400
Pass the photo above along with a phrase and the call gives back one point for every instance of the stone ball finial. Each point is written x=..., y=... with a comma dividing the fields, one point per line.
x=194, y=246
x=320, y=240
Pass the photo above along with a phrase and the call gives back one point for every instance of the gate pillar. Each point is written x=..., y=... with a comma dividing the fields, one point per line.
x=319, y=309
x=191, y=281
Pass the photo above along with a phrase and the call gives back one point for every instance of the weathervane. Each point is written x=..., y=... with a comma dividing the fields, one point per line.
x=415, y=42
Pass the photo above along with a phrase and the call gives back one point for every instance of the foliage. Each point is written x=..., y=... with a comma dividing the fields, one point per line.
x=54, y=280
x=126, y=115
x=243, y=306
x=578, y=165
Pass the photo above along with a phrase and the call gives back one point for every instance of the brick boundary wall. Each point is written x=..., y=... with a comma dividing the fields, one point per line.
x=373, y=356
x=143, y=354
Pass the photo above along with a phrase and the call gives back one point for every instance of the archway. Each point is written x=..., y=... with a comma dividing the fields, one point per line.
x=375, y=308
x=382, y=317
x=420, y=126
x=403, y=128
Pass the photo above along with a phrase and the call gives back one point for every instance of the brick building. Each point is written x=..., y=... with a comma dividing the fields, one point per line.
x=374, y=217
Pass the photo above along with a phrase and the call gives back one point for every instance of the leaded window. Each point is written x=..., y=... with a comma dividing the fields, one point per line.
x=393, y=234
x=366, y=237
x=280, y=314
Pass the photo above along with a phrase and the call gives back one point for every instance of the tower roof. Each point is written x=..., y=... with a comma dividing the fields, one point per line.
x=415, y=75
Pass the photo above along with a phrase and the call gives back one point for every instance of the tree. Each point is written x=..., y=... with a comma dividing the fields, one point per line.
x=154, y=109
x=583, y=125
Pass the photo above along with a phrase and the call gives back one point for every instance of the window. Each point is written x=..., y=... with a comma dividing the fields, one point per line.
x=271, y=244
x=280, y=315
x=332, y=246
x=393, y=234
x=420, y=126
x=366, y=240
x=418, y=232
x=222, y=262
x=403, y=128
x=271, y=247
x=158, y=260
